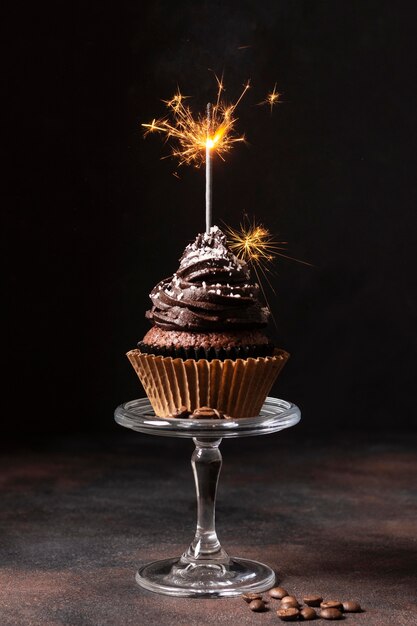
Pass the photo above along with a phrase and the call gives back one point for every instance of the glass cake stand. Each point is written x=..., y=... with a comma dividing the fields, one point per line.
x=205, y=569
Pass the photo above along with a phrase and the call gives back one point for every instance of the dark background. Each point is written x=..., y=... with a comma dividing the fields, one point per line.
x=94, y=216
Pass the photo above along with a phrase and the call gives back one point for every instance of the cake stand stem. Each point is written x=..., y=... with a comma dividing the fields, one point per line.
x=206, y=462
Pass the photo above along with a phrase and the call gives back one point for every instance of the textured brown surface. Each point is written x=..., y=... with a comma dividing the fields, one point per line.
x=333, y=516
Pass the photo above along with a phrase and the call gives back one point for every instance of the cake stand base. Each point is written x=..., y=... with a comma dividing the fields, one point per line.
x=174, y=578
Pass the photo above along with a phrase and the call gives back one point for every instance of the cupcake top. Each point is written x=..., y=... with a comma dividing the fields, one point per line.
x=212, y=290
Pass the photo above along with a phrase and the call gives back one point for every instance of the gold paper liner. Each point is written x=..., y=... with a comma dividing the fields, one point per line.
x=237, y=388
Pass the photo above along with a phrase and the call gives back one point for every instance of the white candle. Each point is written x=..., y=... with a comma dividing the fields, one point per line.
x=209, y=145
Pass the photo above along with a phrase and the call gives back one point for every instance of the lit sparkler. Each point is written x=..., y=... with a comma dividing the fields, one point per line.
x=198, y=137
x=195, y=133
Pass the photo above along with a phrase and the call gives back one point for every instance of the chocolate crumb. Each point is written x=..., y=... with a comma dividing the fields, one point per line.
x=182, y=413
x=206, y=412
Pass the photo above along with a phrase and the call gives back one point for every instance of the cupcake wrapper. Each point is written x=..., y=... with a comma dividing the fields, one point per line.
x=236, y=388
x=236, y=352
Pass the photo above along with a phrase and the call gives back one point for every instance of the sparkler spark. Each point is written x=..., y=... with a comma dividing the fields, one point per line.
x=194, y=134
x=272, y=98
x=255, y=244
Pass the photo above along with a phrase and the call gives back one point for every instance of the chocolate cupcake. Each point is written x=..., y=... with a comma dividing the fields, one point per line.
x=208, y=345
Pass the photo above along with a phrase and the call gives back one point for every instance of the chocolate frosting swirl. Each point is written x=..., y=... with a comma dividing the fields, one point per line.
x=211, y=290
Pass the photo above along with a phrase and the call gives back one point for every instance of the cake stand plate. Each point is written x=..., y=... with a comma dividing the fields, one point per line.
x=205, y=569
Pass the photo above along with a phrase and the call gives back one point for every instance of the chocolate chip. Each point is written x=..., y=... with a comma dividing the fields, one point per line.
x=312, y=600
x=257, y=605
x=248, y=597
x=182, y=413
x=350, y=606
x=288, y=615
x=308, y=613
x=278, y=592
x=331, y=604
x=331, y=614
x=289, y=602
x=206, y=412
